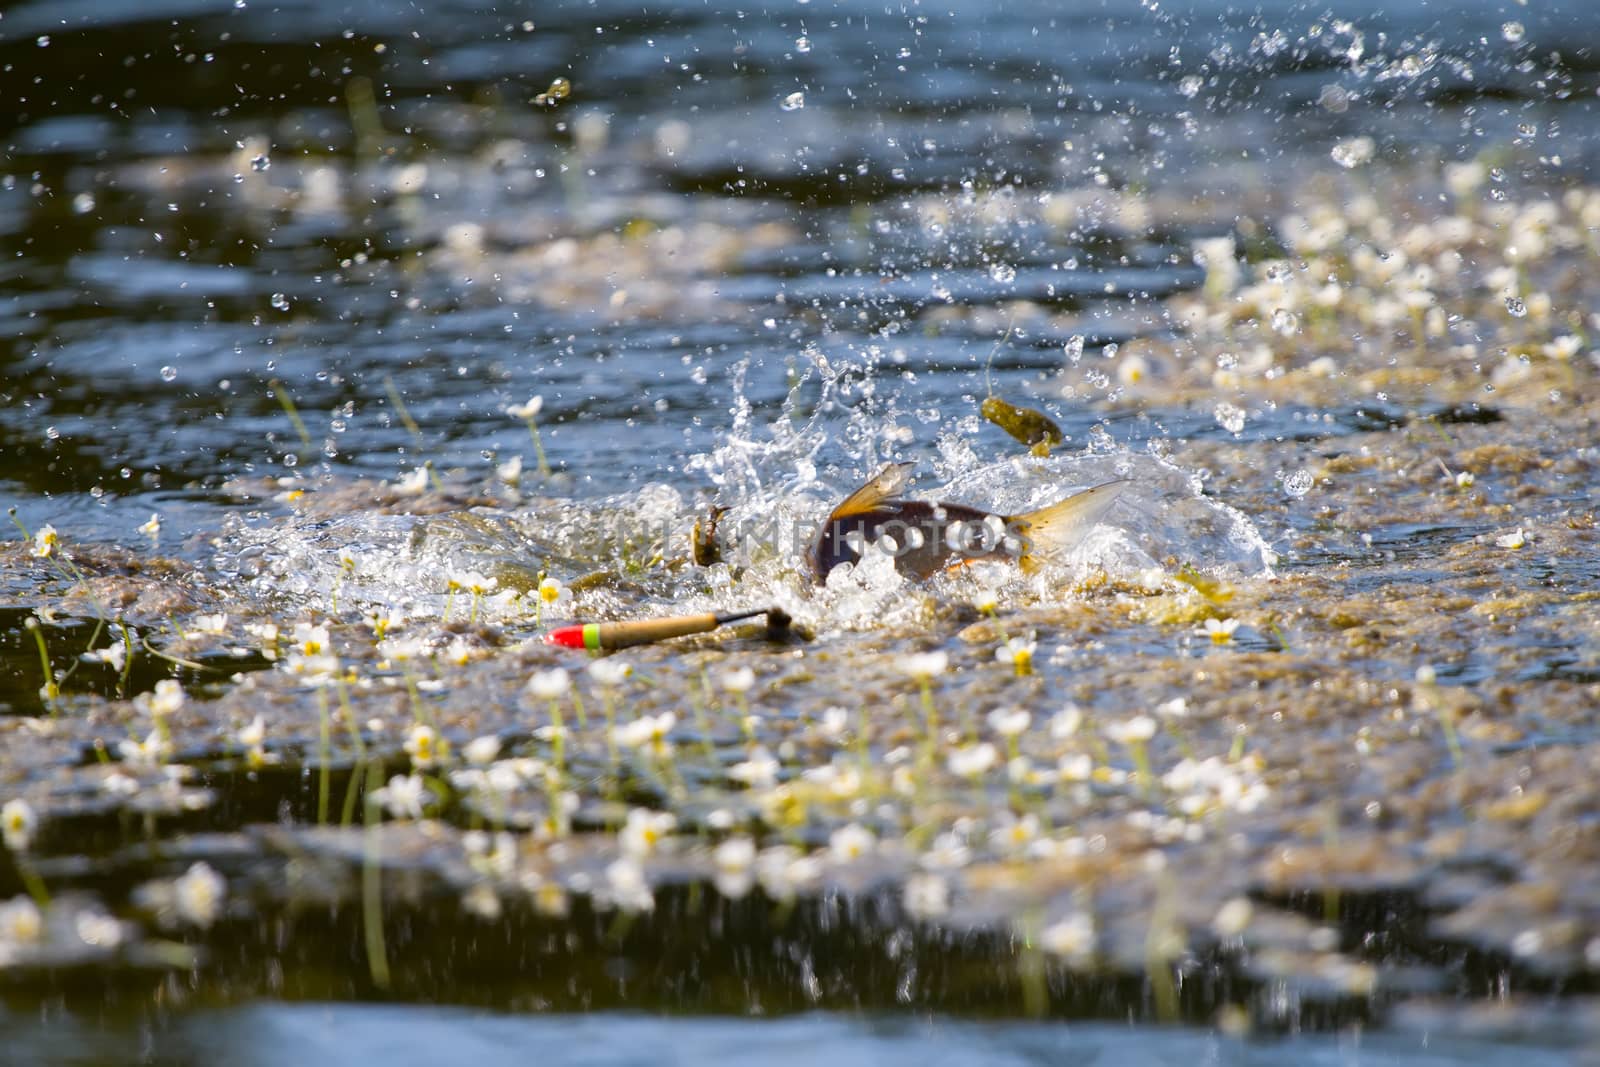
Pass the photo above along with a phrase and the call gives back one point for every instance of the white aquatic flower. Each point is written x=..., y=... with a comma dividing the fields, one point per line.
x=1219, y=630
x=973, y=760
x=381, y=620
x=1075, y=767
x=609, y=672
x=116, y=655
x=1232, y=918
x=404, y=797
x=316, y=668
x=17, y=824
x=198, y=895
x=1176, y=708
x=835, y=721
x=21, y=923
x=949, y=852
x=850, y=843
x=1219, y=258
x=759, y=771
x=403, y=648
x=736, y=854
x=1136, y=730
x=926, y=896
x=310, y=640
x=1514, y=539
x=151, y=752
x=528, y=410
x=97, y=929
x=648, y=731
x=626, y=886
x=1018, y=652
x=45, y=541
x=550, y=685
x=1009, y=722
x=924, y=665
x=426, y=747
x=167, y=699
x=553, y=595
x=254, y=734
x=152, y=528
x=473, y=582
x=481, y=751
x=739, y=680
x=1065, y=723
x=1072, y=937
x=413, y=484
x=210, y=624
x=1013, y=834
x=510, y=472
x=645, y=831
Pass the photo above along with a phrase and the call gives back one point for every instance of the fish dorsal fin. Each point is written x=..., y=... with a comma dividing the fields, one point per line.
x=884, y=486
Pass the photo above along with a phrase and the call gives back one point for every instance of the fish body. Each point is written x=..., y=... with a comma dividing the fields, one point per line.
x=929, y=537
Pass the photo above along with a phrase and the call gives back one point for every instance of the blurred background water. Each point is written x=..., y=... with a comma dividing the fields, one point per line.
x=364, y=201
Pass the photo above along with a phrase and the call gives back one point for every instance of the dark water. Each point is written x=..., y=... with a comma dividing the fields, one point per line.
x=270, y=1034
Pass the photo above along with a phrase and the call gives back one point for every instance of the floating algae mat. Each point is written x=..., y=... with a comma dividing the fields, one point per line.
x=333, y=394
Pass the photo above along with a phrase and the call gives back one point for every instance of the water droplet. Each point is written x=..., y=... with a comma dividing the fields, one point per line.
x=280, y=301
x=1074, y=348
x=261, y=163
x=239, y=4
x=291, y=460
x=1230, y=417
x=97, y=492
x=43, y=41
x=1298, y=484
x=1285, y=322
x=1189, y=87
x=1516, y=307
x=169, y=373
x=1004, y=273
x=52, y=433
x=238, y=179
x=83, y=203
x=802, y=44
x=1278, y=272
x=793, y=102
x=1227, y=360
x=1513, y=31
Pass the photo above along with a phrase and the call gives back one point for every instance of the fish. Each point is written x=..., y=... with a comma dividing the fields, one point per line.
x=926, y=538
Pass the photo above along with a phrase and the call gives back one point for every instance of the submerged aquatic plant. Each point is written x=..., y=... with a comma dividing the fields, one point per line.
x=529, y=413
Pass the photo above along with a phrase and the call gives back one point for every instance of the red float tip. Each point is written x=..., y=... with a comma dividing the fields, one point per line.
x=566, y=637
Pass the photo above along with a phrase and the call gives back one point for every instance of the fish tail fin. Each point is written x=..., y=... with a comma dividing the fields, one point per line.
x=1057, y=528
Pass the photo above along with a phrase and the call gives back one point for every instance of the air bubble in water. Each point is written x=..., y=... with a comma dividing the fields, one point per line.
x=1190, y=86
x=802, y=44
x=1298, y=484
x=169, y=373
x=280, y=301
x=260, y=163
x=793, y=102
x=1513, y=31
x=1285, y=322
x=1004, y=273
x=1074, y=348
x=1516, y=307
